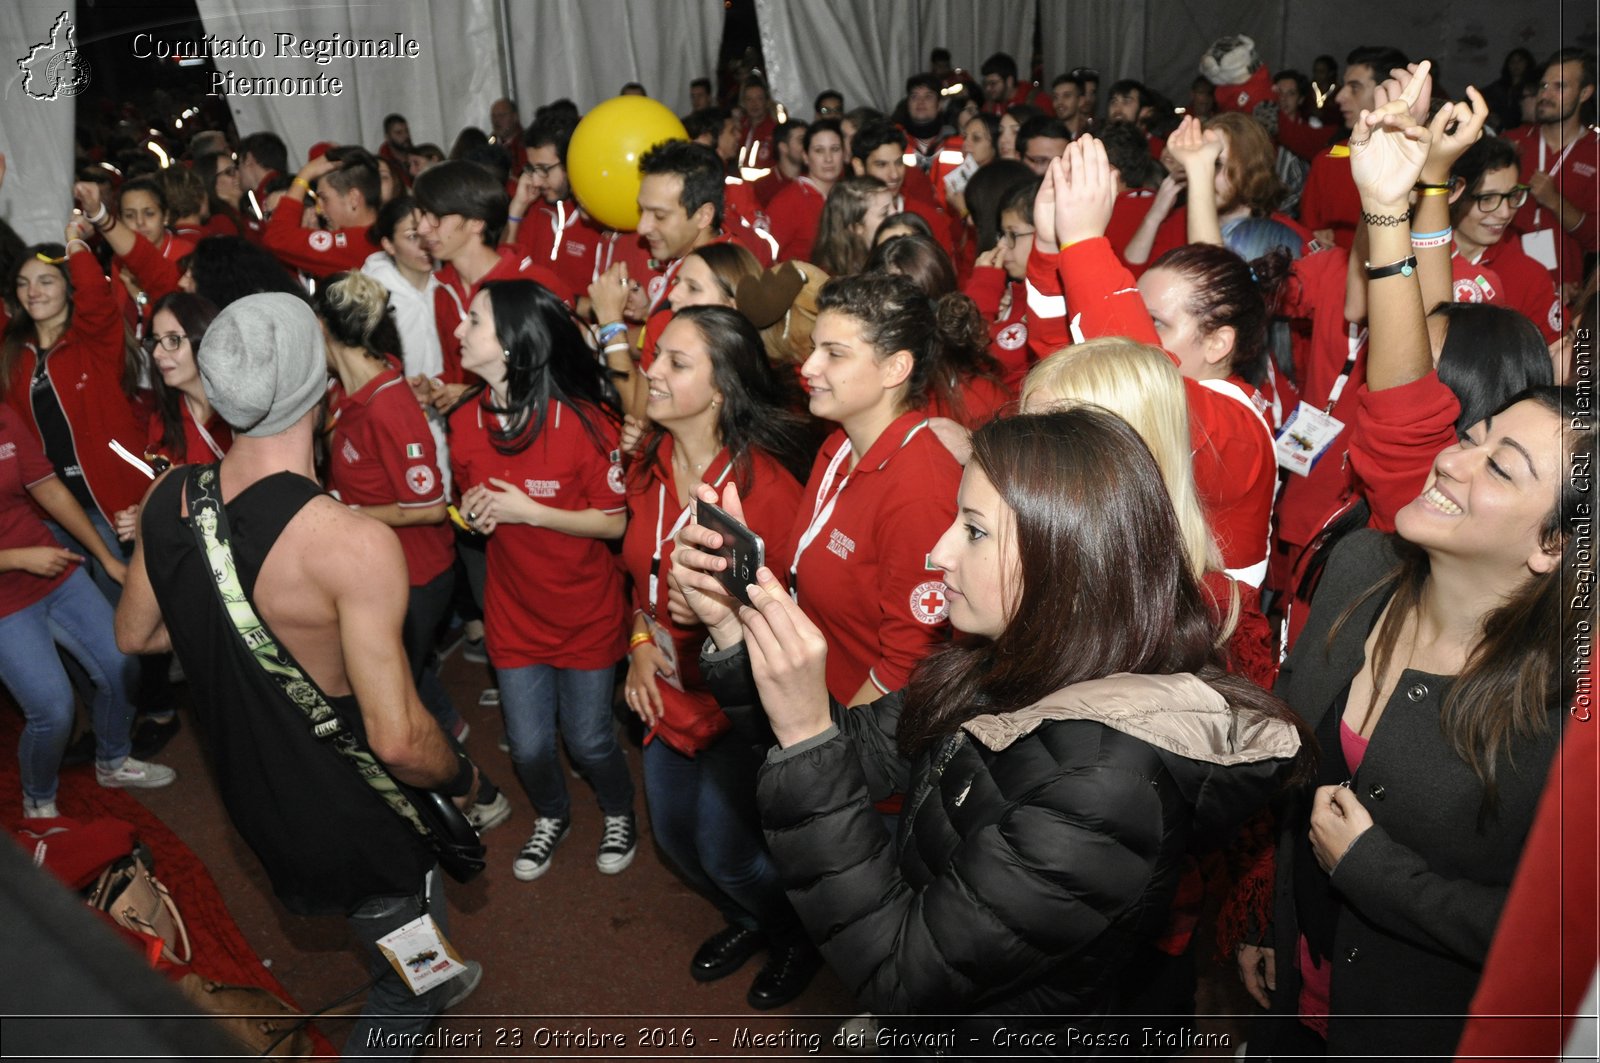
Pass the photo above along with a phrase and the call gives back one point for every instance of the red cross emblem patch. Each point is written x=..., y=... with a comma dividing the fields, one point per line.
x=420, y=479
x=929, y=603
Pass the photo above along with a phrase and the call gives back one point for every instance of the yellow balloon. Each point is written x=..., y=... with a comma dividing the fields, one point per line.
x=603, y=156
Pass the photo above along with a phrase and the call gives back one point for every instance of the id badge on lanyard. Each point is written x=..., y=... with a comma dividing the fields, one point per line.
x=659, y=634
x=1309, y=432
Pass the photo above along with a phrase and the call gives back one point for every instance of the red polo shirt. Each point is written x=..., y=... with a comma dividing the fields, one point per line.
x=1528, y=288
x=863, y=574
x=796, y=212
x=551, y=598
x=452, y=297
x=691, y=717
x=1329, y=199
x=1576, y=172
x=381, y=452
x=201, y=444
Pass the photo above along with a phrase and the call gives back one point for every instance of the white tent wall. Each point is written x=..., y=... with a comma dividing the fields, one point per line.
x=586, y=50
x=35, y=135
x=1161, y=41
x=450, y=84
x=973, y=30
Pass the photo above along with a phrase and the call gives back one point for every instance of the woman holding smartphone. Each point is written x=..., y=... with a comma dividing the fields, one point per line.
x=535, y=455
x=1061, y=757
x=719, y=415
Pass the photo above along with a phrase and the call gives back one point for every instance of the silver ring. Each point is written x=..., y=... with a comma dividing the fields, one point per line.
x=472, y=514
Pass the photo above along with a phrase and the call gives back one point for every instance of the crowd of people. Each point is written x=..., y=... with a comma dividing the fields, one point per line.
x=1155, y=503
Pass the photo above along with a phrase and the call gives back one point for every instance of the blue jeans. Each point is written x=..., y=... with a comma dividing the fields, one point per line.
x=391, y=1008
x=77, y=617
x=703, y=817
x=535, y=700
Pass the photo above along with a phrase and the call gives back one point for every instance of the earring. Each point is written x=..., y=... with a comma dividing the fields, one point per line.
x=505, y=354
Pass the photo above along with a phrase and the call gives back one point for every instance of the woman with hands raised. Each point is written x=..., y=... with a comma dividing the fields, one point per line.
x=1200, y=304
x=1431, y=672
x=1042, y=834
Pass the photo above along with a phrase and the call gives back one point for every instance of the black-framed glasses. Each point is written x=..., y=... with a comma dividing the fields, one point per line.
x=541, y=170
x=170, y=341
x=1489, y=202
x=1013, y=236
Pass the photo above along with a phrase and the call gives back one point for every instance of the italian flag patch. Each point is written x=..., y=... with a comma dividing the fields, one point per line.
x=413, y=450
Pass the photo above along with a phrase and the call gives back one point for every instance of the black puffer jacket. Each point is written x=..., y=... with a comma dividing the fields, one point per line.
x=1038, y=852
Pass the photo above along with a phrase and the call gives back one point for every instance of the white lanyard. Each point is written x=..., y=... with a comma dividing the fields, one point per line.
x=1358, y=339
x=1537, y=210
x=822, y=506
x=677, y=526
x=558, y=228
x=666, y=286
x=206, y=436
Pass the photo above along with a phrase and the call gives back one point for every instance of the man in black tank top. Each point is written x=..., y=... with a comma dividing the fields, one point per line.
x=335, y=600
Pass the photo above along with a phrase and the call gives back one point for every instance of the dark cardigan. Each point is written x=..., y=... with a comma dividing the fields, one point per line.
x=1419, y=893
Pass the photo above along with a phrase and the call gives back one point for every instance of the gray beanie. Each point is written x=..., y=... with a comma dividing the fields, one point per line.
x=264, y=363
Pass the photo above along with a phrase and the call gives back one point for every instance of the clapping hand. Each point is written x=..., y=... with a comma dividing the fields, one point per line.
x=1389, y=146
x=1084, y=191
x=1195, y=147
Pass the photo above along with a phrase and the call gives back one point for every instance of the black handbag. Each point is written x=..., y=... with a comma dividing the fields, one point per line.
x=435, y=818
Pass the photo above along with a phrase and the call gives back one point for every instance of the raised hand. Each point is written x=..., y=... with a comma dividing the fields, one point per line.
x=1085, y=190
x=789, y=659
x=694, y=569
x=1194, y=146
x=1388, y=148
x=1453, y=130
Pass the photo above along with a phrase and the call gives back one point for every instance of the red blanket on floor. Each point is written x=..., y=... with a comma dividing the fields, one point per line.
x=221, y=952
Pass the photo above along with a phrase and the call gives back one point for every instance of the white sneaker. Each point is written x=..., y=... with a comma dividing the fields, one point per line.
x=619, y=841
x=39, y=809
x=134, y=775
x=486, y=814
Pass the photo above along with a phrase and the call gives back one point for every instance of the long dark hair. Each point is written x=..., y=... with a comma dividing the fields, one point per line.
x=1490, y=353
x=195, y=314
x=947, y=337
x=227, y=268
x=547, y=360
x=1102, y=590
x=1514, y=681
x=757, y=401
x=1227, y=291
x=918, y=257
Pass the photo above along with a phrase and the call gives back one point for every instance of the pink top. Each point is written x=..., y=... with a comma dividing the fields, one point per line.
x=1315, y=982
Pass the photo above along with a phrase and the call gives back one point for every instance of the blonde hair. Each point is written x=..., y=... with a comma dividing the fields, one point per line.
x=1140, y=384
x=352, y=307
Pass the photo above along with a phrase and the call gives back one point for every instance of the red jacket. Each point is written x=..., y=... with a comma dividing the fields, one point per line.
x=1008, y=335
x=315, y=251
x=1235, y=465
x=1397, y=433
x=84, y=369
x=1329, y=199
x=795, y=213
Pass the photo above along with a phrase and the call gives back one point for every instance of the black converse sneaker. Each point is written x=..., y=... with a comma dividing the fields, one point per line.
x=618, y=843
x=534, y=859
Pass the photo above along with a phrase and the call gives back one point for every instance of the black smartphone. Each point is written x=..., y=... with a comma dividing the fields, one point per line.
x=741, y=548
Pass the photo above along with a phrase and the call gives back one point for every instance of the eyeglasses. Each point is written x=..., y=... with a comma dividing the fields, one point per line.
x=1489, y=202
x=171, y=341
x=1013, y=236
x=541, y=171
x=1040, y=161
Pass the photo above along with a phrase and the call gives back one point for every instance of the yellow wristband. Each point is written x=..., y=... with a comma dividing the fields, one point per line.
x=1434, y=192
x=302, y=182
x=1069, y=243
x=639, y=639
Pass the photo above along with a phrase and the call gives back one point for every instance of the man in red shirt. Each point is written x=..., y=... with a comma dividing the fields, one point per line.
x=545, y=221
x=1329, y=205
x=396, y=146
x=464, y=209
x=345, y=184
x=760, y=127
x=788, y=161
x=1000, y=88
x=262, y=156
x=1560, y=164
x=879, y=150
x=1482, y=204
x=506, y=122
x=796, y=209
